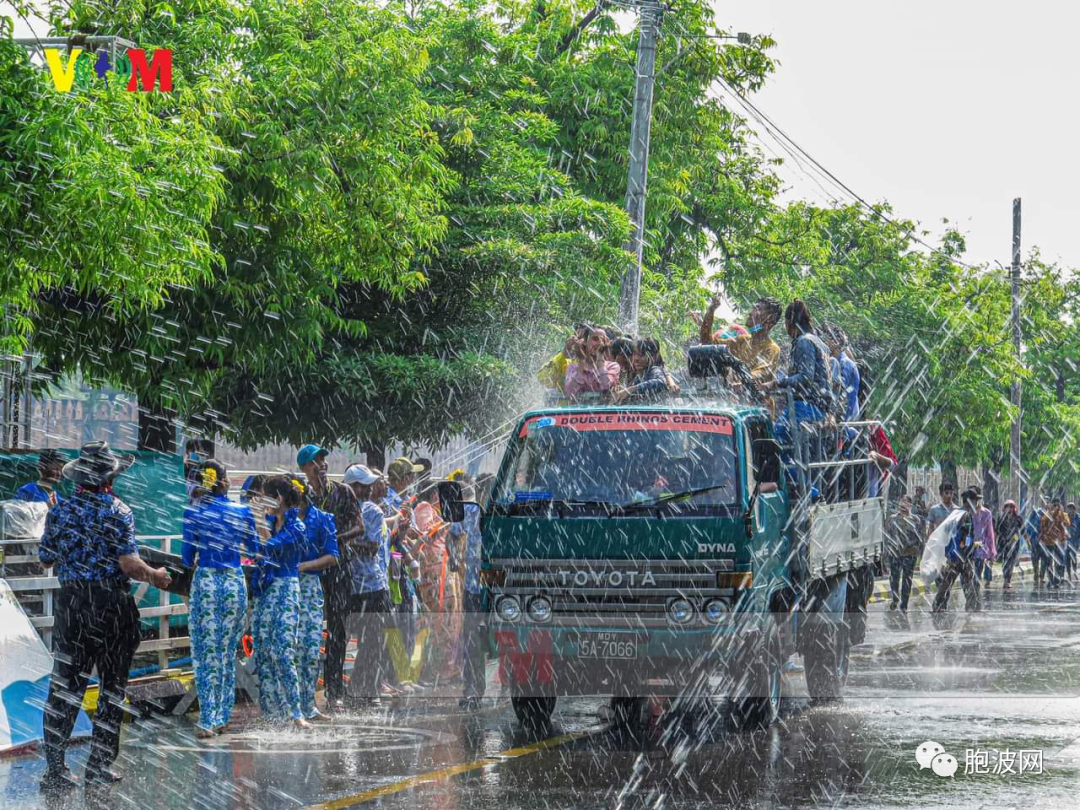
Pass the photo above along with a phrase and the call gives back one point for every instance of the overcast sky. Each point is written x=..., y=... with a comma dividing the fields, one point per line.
x=947, y=109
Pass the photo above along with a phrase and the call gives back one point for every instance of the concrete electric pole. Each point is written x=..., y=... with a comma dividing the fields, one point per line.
x=638, y=176
x=1015, y=475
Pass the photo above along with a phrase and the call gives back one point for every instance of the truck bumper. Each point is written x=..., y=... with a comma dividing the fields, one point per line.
x=602, y=659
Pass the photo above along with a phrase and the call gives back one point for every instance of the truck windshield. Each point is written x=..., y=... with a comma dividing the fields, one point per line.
x=623, y=457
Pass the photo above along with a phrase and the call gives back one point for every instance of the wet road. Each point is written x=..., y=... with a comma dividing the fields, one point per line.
x=1000, y=682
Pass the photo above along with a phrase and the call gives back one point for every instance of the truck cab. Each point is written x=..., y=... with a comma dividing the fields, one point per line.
x=659, y=549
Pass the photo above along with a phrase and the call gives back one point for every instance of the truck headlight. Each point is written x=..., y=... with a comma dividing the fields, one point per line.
x=508, y=608
x=715, y=611
x=539, y=609
x=680, y=610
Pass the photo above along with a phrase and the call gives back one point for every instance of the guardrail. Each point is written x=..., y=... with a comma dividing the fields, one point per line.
x=34, y=588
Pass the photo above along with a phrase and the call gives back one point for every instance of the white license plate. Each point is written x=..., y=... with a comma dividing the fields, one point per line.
x=620, y=646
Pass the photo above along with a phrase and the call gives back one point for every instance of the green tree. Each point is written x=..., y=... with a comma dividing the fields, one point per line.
x=106, y=196
x=332, y=186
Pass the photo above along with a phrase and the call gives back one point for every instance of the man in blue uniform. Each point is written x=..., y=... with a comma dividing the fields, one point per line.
x=90, y=540
x=50, y=467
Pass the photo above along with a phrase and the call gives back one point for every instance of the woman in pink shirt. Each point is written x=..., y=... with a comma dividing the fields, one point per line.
x=593, y=372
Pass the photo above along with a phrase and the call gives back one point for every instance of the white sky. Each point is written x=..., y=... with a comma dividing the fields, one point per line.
x=945, y=108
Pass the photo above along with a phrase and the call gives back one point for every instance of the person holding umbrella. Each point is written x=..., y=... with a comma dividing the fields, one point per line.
x=90, y=540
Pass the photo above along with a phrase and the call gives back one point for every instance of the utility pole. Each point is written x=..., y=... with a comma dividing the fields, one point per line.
x=638, y=176
x=1015, y=485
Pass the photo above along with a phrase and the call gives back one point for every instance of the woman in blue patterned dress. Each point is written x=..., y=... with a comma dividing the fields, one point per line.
x=215, y=532
x=276, y=617
x=319, y=552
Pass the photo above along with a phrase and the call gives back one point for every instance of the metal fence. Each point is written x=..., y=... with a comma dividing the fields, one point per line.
x=35, y=593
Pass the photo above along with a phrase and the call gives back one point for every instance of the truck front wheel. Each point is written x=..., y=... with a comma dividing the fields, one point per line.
x=628, y=712
x=826, y=661
x=533, y=712
x=756, y=703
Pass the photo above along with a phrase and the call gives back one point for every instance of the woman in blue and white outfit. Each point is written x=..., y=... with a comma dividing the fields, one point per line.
x=276, y=619
x=215, y=532
x=318, y=552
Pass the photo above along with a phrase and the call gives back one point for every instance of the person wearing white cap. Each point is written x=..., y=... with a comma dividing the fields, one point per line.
x=370, y=603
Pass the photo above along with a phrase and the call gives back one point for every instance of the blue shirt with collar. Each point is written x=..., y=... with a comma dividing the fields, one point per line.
x=86, y=535
x=369, y=572
x=217, y=531
x=35, y=493
x=320, y=536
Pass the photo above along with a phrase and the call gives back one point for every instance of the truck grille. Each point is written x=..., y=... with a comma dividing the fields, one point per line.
x=612, y=586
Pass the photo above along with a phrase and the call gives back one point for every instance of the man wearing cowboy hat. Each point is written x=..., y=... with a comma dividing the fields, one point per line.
x=90, y=539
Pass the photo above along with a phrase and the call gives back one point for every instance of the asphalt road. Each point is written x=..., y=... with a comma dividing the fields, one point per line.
x=1000, y=682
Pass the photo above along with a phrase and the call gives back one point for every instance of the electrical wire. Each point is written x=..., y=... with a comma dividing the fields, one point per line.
x=777, y=132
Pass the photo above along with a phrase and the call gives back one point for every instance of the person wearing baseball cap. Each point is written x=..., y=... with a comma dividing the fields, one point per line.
x=337, y=500
x=402, y=473
x=50, y=468
x=370, y=603
x=90, y=540
x=309, y=453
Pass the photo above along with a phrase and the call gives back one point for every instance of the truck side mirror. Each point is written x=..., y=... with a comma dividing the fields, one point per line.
x=450, y=503
x=767, y=461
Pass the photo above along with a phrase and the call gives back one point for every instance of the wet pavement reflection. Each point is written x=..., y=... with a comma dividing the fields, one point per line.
x=1004, y=680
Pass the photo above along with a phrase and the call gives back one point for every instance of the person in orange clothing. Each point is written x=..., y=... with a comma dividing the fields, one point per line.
x=439, y=594
x=1053, y=534
x=753, y=346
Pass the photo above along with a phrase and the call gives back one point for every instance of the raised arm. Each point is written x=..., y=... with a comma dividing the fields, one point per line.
x=705, y=333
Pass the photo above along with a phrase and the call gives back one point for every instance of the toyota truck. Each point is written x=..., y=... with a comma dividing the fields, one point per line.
x=669, y=549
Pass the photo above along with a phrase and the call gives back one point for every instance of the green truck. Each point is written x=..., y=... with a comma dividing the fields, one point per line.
x=660, y=549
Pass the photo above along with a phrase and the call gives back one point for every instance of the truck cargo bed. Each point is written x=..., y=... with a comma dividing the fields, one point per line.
x=845, y=536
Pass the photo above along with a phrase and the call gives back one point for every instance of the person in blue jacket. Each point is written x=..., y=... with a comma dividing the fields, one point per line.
x=276, y=615
x=216, y=531
x=318, y=552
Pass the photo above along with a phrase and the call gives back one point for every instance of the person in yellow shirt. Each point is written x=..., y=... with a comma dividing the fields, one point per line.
x=756, y=349
x=553, y=373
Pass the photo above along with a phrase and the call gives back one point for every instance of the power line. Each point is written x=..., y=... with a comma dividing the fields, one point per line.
x=767, y=122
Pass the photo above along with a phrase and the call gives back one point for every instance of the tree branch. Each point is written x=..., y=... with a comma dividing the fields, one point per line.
x=575, y=32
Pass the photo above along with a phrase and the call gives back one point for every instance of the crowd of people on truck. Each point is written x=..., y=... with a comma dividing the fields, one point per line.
x=370, y=557
x=824, y=377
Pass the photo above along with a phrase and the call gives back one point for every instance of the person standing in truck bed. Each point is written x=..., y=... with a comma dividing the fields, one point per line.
x=754, y=348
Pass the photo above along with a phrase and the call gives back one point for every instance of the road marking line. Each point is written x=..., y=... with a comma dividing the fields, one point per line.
x=454, y=770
